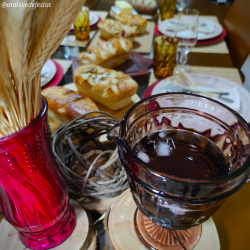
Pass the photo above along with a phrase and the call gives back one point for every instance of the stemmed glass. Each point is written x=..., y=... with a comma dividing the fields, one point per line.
x=186, y=32
x=172, y=208
x=181, y=4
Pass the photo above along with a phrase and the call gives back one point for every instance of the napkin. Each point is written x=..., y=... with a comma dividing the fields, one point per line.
x=233, y=94
x=171, y=24
x=206, y=26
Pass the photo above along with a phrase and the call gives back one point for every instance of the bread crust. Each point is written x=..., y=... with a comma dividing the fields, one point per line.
x=106, y=84
x=110, y=28
x=132, y=20
x=67, y=104
x=118, y=49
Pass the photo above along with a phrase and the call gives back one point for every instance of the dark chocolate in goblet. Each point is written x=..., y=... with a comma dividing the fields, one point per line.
x=184, y=154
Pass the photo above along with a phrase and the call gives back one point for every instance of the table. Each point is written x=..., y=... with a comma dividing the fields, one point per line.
x=233, y=218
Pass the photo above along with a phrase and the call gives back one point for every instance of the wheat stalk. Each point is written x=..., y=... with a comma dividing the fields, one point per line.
x=24, y=101
x=61, y=18
x=28, y=37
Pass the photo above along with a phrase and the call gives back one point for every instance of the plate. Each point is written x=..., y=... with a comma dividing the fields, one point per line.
x=214, y=82
x=57, y=78
x=201, y=42
x=93, y=18
x=201, y=36
x=48, y=72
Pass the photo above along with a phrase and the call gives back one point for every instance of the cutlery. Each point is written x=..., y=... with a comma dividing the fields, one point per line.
x=219, y=95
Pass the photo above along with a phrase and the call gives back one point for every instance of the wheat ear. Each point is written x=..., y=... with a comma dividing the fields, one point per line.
x=60, y=19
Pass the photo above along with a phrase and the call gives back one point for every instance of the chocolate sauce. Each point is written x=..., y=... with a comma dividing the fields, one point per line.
x=182, y=154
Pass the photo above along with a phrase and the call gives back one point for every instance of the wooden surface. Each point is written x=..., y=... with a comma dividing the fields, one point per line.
x=81, y=239
x=233, y=221
x=143, y=43
x=98, y=206
x=210, y=59
x=122, y=234
x=70, y=40
x=231, y=74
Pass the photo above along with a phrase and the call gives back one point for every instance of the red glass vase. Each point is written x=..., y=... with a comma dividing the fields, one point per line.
x=33, y=196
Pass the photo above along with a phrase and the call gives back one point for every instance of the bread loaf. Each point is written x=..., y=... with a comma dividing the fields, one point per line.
x=108, y=54
x=110, y=28
x=111, y=88
x=65, y=105
x=148, y=7
x=133, y=20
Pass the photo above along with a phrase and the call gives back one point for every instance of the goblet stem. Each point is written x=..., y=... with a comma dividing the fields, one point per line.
x=183, y=58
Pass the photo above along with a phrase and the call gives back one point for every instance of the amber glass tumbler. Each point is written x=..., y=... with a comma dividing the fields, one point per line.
x=164, y=56
x=167, y=9
x=81, y=25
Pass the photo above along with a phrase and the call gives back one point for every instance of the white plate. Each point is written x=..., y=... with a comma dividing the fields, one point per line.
x=201, y=36
x=217, y=84
x=93, y=19
x=48, y=72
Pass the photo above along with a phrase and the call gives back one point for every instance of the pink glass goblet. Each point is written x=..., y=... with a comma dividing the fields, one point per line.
x=172, y=207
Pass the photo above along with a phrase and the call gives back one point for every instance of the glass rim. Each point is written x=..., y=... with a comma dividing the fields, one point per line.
x=42, y=112
x=229, y=176
x=173, y=40
x=195, y=12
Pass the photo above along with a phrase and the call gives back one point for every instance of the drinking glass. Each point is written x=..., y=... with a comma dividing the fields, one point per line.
x=164, y=56
x=33, y=196
x=186, y=33
x=171, y=208
x=181, y=4
x=81, y=25
x=167, y=9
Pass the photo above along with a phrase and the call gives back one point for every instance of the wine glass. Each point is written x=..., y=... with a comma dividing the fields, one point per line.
x=186, y=32
x=181, y=4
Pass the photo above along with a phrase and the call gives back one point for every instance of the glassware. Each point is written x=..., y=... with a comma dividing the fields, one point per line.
x=167, y=9
x=181, y=4
x=164, y=56
x=172, y=202
x=33, y=196
x=186, y=33
x=81, y=25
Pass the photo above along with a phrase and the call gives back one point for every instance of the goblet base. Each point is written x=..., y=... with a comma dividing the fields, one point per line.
x=156, y=237
x=182, y=67
x=51, y=238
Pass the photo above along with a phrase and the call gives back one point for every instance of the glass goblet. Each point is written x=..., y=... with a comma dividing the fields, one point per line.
x=172, y=207
x=181, y=4
x=186, y=32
